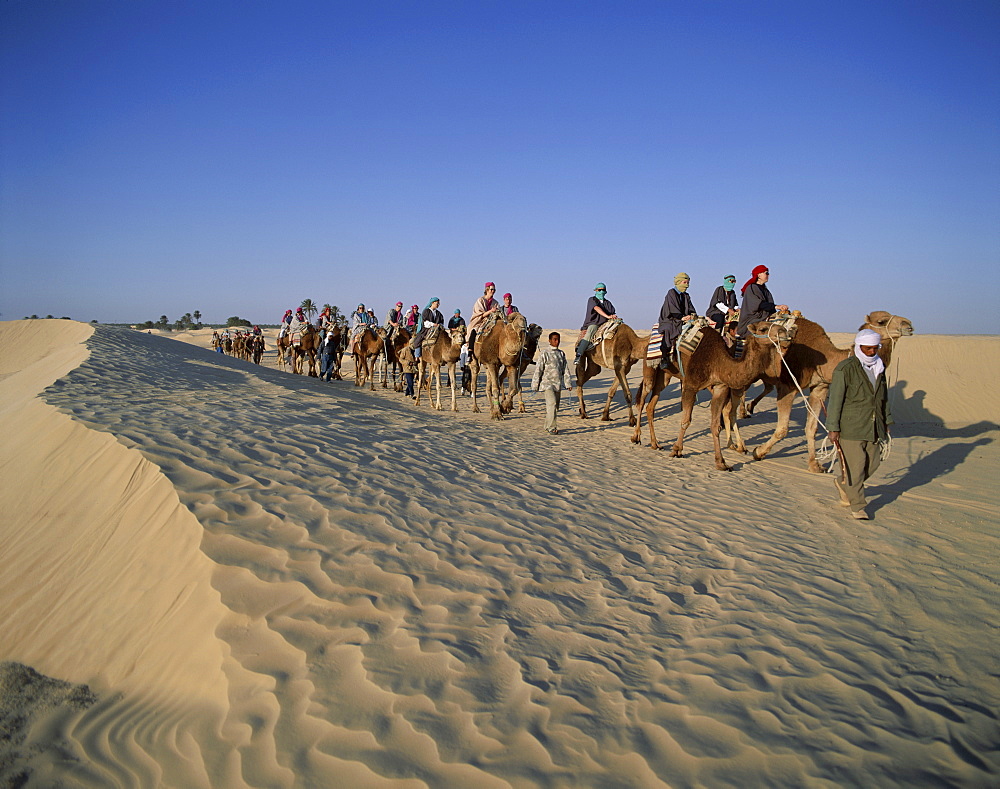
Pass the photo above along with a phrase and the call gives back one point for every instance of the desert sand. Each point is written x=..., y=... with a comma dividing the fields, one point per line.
x=222, y=575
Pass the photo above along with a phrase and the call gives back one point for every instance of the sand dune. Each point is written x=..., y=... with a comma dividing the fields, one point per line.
x=265, y=580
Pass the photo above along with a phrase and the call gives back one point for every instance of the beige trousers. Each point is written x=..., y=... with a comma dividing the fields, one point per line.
x=862, y=458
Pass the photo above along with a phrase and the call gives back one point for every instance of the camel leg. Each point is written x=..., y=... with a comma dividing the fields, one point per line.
x=732, y=425
x=474, y=374
x=817, y=396
x=493, y=391
x=437, y=388
x=720, y=400
x=640, y=401
x=688, y=398
x=606, y=413
x=454, y=386
x=420, y=380
x=654, y=398
x=753, y=403
x=583, y=374
x=786, y=396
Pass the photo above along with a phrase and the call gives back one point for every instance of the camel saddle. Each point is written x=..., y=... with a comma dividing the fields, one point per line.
x=689, y=339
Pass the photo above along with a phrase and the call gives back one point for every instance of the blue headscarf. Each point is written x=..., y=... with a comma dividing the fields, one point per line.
x=420, y=323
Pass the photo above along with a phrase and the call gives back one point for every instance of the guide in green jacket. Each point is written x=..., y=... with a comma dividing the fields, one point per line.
x=858, y=418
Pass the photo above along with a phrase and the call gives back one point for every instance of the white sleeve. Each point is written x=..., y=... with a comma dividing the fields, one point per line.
x=722, y=307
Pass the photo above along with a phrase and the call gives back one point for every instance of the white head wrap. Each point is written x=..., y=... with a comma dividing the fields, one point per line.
x=872, y=365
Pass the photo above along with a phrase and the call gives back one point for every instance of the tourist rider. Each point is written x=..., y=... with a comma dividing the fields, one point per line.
x=599, y=311
x=412, y=319
x=722, y=308
x=858, y=417
x=393, y=323
x=758, y=303
x=677, y=310
x=430, y=318
x=285, y=320
x=456, y=320
x=507, y=308
x=481, y=310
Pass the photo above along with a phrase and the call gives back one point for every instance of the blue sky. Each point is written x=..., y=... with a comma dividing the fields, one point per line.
x=238, y=157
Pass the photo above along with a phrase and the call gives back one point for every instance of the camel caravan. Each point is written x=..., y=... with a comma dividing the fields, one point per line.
x=788, y=353
x=248, y=346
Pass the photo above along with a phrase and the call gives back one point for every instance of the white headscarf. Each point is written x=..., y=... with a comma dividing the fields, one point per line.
x=872, y=365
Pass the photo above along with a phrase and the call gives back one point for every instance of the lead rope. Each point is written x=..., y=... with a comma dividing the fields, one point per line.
x=825, y=451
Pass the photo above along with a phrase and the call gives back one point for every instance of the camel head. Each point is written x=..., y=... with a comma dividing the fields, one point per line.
x=534, y=332
x=457, y=335
x=774, y=335
x=888, y=325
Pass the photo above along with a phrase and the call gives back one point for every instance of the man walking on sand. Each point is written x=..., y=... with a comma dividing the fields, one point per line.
x=858, y=418
x=551, y=376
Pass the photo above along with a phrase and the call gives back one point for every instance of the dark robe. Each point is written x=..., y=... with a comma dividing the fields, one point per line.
x=758, y=305
x=675, y=306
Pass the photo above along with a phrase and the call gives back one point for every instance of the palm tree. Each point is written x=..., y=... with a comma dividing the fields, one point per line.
x=197, y=318
x=309, y=308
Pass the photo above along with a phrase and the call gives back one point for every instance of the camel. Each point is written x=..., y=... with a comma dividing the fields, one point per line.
x=395, y=345
x=446, y=349
x=308, y=345
x=282, y=343
x=526, y=357
x=499, y=344
x=620, y=352
x=712, y=366
x=367, y=345
x=335, y=348
x=655, y=379
x=811, y=359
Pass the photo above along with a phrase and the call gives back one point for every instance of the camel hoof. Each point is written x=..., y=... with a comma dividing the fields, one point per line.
x=676, y=453
x=723, y=467
x=635, y=440
x=757, y=456
x=816, y=468
x=631, y=421
x=605, y=418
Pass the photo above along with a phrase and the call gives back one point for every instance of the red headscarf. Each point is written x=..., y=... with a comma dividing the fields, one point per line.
x=753, y=277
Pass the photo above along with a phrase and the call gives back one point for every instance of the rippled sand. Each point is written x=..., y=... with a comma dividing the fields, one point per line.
x=266, y=580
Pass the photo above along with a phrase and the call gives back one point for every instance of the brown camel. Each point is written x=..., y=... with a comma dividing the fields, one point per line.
x=812, y=359
x=445, y=349
x=392, y=364
x=526, y=357
x=619, y=352
x=308, y=346
x=712, y=366
x=655, y=379
x=282, y=343
x=335, y=347
x=366, y=346
x=499, y=345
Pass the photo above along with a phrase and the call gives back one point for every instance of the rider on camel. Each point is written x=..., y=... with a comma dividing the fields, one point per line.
x=481, y=310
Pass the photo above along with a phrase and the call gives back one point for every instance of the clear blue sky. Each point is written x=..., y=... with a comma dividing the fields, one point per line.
x=236, y=157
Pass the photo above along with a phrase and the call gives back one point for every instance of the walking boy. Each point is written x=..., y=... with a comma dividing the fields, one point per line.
x=551, y=376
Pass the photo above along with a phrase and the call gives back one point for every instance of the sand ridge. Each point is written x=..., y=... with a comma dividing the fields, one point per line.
x=394, y=596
